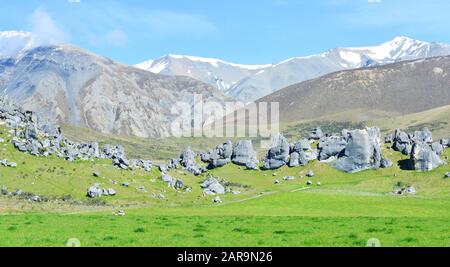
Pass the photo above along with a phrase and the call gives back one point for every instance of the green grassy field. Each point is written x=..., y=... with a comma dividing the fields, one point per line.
x=346, y=210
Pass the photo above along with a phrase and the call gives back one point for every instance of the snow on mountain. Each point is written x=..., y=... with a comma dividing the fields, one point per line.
x=217, y=72
x=13, y=43
x=251, y=82
x=298, y=69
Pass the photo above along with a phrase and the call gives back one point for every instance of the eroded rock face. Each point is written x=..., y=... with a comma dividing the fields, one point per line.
x=187, y=160
x=362, y=152
x=437, y=148
x=301, y=153
x=424, y=136
x=402, y=142
x=331, y=146
x=316, y=134
x=386, y=163
x=278, y=155
x=218, y=157
x=423, y=157
x=245, y=155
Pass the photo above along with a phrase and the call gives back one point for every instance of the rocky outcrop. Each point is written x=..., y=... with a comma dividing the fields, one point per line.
x=218, y=157
x=331, y=147
x=188, y=161
x=424, y=153
x=37, y=138
x=316, y=134
x=301, y=153
x=278, y=155
x=363, y=151
x=423, y=157
x=245, y=155
x=402, y=142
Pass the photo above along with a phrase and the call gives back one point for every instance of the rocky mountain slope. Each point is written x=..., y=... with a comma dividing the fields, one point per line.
x=395, y=89
x=248, y=83
x=68, y=85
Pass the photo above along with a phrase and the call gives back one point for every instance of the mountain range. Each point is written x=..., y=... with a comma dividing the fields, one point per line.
x=250, y=82
x=67, y=85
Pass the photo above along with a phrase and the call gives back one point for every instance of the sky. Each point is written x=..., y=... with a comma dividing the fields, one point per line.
x=241, y=31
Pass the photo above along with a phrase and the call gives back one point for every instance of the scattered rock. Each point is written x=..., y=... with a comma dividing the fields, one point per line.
x=187, y=160
x=179, y=184
x=406, y=190
x=289, y=178
x=217, y=199
x=212, y=186
x=94, y=191
x=277, y=181
x=119, y=213
x=309, y=183
x=169, y=180
x=96, y=174
x=36, y=199
x=310, y=173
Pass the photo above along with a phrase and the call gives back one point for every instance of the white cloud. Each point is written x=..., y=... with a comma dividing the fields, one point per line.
x=374, y=1
x=44, y=30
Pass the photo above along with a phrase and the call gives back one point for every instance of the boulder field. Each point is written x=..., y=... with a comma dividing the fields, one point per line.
x=350, y=151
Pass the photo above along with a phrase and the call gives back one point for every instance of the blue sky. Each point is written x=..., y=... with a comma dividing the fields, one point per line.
x=243, y=31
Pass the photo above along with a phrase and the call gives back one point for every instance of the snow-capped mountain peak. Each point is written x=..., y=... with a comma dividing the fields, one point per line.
x=217, y=72
x=250, y=82
x=393, y=50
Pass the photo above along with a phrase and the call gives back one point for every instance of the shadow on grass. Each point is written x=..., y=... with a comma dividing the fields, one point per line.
x=405, y=164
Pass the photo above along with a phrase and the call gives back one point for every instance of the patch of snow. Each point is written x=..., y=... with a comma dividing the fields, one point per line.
x=215, y=62
x=351, y=57
x=146, y=65
x=158, y=68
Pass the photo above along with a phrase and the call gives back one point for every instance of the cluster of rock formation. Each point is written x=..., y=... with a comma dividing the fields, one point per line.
x=31, y=135
x=424, y=153
x=350, y=151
